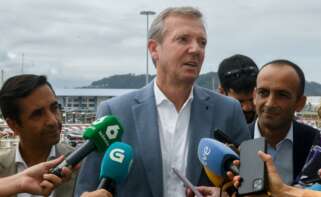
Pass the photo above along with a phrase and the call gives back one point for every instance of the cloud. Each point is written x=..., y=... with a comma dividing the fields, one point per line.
x=4, y=56
x=82, y=41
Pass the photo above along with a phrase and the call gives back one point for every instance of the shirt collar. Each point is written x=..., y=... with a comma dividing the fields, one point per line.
x=19, y=159
x=160, y=97
x=257, y=132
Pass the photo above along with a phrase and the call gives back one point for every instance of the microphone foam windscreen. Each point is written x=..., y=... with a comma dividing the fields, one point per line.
x=216, y=180
x=213, y=155
x=117, y=162
x=104, y=131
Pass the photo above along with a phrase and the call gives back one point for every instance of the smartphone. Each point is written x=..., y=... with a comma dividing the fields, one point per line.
x=187, y=183
x=252, y=168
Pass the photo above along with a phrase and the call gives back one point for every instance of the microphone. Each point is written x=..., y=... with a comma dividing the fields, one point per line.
x=315, y=187
x=309, y=173
x=225, y=139
x=103, y=132
x=217, y=159
x=215, y=179
x=115, y=166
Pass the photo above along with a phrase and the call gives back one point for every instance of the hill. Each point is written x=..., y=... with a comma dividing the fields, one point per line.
x=207, y=80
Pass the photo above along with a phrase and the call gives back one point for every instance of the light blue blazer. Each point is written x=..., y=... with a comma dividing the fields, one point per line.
x=138, y=114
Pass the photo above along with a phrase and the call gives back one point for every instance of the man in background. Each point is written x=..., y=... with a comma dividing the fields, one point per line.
x=237, y=75
x=30, y=108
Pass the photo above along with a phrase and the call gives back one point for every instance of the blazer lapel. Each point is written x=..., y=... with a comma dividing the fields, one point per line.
x=297, y=146
x=7, y=165
x=252, y=128
x=199, y=127
x=302, y=141
x=145, y=118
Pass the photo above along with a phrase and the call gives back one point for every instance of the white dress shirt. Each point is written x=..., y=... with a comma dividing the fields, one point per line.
x=174, y=139
x=21, y=165
x=282, y=154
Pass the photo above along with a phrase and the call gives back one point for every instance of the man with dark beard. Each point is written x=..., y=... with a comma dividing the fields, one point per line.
x=237, y=76
x=279, y=93
x=30, y=108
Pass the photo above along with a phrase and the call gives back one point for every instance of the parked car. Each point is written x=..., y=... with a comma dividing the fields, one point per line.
x=74, y=138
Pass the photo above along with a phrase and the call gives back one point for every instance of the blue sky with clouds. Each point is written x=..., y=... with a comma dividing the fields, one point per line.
x=75, y=42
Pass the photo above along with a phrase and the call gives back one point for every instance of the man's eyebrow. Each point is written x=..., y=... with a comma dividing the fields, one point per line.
x=54, y=103
x=36, y=110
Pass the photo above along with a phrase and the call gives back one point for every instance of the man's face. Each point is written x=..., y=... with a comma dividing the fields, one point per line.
x=246, y=101
x=40, y=120
x=276, y=96
x=180, y=56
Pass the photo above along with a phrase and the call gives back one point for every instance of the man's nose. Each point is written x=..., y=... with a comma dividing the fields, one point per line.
x=52, y=118
x=195, y=47
x=270, y=101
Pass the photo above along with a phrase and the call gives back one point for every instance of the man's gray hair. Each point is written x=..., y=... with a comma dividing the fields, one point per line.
x=157, y=30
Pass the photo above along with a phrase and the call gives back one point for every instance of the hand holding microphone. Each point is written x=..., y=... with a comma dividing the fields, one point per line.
x=99, y=136
x=33, y=180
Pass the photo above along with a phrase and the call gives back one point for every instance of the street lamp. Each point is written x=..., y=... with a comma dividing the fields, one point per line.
x=147, y=13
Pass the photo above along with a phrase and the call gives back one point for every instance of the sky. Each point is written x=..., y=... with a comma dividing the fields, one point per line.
x=75, y=42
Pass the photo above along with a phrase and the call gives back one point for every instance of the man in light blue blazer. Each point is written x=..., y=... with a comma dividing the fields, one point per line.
x=165, y=120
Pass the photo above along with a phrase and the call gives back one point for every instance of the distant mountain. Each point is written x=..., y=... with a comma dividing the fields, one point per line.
x=207, y=80
x=312, y=89
x=127, y=81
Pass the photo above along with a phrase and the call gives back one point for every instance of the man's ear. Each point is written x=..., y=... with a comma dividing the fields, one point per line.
x=254, y=96
x=300, y=103
x=153, y=49
x=14, y=126
x=220, y=89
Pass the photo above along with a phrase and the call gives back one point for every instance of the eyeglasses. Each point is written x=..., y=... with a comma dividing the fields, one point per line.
x=237, y=73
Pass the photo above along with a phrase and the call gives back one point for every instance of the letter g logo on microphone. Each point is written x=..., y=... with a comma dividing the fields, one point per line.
x=117, y=155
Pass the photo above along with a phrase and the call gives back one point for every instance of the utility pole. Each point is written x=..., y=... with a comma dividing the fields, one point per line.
x=213, y=81
x=22, y=62
x=2, y=76
x=147, y=13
